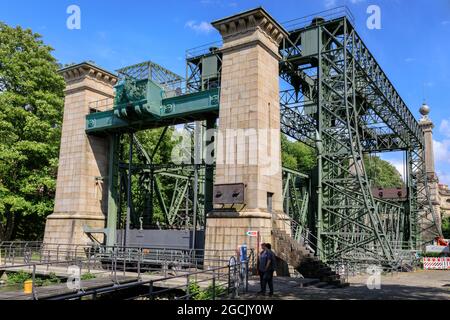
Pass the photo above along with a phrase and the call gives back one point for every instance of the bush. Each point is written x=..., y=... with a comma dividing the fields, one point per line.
x=446, y=227
x=207, y=294
x=432, y=254
x=18, y=277
x=15, y=278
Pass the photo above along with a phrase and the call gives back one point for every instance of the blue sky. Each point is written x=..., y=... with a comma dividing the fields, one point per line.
x=412, y=46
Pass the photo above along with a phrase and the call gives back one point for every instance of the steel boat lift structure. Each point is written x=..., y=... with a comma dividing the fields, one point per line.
x=339, y=102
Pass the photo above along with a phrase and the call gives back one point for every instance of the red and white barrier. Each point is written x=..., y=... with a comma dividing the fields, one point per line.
x=436, y=263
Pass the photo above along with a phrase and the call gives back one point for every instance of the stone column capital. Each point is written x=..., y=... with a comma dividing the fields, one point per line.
x=79, y=72
x=249, y=22
x=426, y=124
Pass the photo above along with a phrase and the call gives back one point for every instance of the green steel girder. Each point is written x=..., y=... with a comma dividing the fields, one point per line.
x=176, y=110
x=151, y=71
x=341, y=104
x=392, y=109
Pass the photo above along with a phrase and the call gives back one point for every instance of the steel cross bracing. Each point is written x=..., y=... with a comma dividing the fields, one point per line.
x=147, y=178
x=177, y=206
x=343, y=105
x=151, y=71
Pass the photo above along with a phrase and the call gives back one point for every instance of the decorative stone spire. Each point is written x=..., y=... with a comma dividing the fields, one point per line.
x=427, y=127
x=424, y=111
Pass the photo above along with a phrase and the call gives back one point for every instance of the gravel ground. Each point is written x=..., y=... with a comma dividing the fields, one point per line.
x=419, y=285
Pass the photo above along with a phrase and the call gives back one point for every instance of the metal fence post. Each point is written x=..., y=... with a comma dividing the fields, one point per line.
x=33, y=289
x=150, y=292
x=115, y=268
x=187, y=288
x=214, y=286
x=139, y=265
x=125, y=261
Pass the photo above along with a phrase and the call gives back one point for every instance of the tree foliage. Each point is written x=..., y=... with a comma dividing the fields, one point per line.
x=31, y=100
x=296, y=155
x=382, y=173
x=446, y=227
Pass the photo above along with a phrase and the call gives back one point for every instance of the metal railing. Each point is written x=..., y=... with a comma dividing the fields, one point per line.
x=203, y=49
x=101, y=105
x=299, y=233
x=124, y=267
x=330, y=14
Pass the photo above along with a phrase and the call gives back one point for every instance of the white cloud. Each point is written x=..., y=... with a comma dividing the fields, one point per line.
x=356, y=1
x=445, y=22
x=441, y=151
x=408, y=60
x=400, y=166
x=444, y=177
x=330, y=4
x=444, y=128
x=201, y=27
x=220, y=3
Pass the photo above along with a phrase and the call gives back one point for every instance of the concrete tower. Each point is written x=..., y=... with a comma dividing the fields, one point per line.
x=248, y=150
x=433, y=182
x=81, y=195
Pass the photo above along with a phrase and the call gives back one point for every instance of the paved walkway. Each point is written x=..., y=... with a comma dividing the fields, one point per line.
x=419, y=285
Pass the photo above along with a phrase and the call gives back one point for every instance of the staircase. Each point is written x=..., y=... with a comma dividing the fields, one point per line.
x=302, y=259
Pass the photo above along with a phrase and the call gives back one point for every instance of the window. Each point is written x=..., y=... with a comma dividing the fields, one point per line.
x=269, y=202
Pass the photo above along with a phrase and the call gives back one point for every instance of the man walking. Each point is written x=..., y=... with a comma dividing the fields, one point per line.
x=266, y=268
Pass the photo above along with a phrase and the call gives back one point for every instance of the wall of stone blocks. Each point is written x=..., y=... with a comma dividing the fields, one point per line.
x=81, y=188
x=250, y=100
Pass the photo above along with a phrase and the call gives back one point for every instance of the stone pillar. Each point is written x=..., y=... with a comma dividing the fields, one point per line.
x=248, y=148
x=81, y=195
x=427, y=126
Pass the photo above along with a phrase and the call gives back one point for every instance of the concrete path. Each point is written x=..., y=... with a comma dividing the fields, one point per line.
x=419, y=285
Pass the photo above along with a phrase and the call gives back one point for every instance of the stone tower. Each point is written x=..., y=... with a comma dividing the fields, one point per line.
x=248, y=150
x=427, y=126
x=81, y=195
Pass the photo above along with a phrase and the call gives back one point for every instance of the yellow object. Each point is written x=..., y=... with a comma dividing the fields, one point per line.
x=28, y=287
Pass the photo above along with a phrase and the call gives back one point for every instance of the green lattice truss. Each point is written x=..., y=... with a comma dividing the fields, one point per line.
x=340, y=103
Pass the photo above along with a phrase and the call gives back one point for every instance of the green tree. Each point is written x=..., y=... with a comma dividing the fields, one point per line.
x=382, y=173
x=446, y=227
x=31, y=101
x=296, y=155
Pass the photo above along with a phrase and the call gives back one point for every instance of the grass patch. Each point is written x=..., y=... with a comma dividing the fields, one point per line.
x=88, y=276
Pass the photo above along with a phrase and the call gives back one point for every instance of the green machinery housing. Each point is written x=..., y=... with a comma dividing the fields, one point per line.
x=338, y=101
